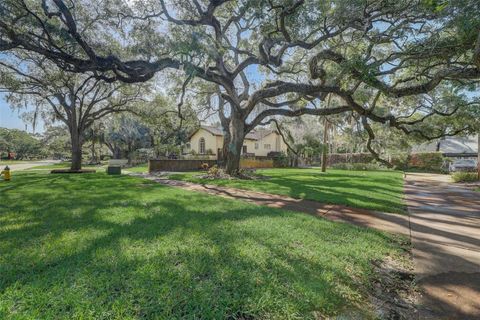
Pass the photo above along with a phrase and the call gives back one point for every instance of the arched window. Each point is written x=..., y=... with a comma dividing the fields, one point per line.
x=201, y=146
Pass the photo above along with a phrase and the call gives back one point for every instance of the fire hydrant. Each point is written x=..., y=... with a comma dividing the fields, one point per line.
x=6, y=174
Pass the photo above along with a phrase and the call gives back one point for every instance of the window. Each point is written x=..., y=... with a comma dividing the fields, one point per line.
x=201, y=146
x=244, y=149
x=256, y=145
x=267, y=146
x=188, y=146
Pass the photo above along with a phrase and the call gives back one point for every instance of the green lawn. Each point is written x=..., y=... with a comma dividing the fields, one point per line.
x=64, y=165
x=93, y=246
x=376, y=190
x=138, y=169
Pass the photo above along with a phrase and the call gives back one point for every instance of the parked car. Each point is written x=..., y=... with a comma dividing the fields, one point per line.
x=463, y=165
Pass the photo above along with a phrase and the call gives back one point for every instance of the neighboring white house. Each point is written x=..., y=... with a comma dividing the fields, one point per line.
x=209, y=140
x=452, y=147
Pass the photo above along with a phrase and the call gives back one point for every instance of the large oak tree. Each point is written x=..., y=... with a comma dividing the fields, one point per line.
x=77, y=100
x=399, y=63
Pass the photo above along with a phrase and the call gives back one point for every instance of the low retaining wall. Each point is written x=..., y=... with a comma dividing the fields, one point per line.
x=178, y=165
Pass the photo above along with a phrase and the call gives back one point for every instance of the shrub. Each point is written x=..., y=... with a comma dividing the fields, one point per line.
x=280, y=160
x=400, y=161
x=336, y=158
x=274, y=154
x=213, y=170
x=463, y=176
x=430, y=161
x=204, y=166
x=358, y=166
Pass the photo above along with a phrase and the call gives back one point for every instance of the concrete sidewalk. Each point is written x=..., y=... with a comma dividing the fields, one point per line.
x=29, y=165
x=445, y=225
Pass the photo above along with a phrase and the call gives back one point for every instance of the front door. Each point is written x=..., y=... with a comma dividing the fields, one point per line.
x=244, y=150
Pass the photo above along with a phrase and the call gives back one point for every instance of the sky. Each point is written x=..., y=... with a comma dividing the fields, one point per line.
x=11, y=118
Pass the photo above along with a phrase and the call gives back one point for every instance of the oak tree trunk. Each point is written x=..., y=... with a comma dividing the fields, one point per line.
x=93, y=159
x=325, y=146
x=129, y=153
x=76, y=151
x=234, y=147
x=226, y=144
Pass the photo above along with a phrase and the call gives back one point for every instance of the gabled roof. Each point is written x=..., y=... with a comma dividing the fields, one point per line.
x=254, y=135
x=450, y=145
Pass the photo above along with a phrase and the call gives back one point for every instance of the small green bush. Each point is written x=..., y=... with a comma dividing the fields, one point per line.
x=280, y=160
x=400, y=160
x=463, y=176
x=428, y=161
x=358, y=166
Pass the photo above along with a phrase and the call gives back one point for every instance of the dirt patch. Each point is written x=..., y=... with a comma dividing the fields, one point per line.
x=394, y=294
x=244, y=174
x=229, y=177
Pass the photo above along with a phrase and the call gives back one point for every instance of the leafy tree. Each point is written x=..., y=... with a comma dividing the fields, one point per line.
x=76, y=100
x=57, y=142
x=124, y=135
x=382, y=61
x=21, y=143
x=167, y=125
x=95, y=135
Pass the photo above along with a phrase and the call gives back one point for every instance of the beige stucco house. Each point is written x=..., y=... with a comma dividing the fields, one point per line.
x=208, y=140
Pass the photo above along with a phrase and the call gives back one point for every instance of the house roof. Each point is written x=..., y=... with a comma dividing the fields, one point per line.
x=254, y=135
x=450, y=145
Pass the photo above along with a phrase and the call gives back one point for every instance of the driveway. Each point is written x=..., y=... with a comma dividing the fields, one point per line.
x=445, y=231
x=28, y=165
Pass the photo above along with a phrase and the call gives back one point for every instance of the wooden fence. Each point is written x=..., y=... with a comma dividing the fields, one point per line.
x=178, y=165
x=194, y=165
